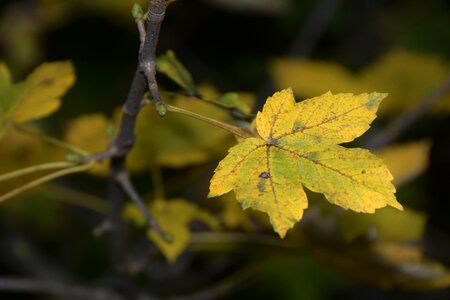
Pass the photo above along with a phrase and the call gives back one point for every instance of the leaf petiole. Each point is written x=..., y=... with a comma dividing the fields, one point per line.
x=46, y=178
x=36, y=168
x=228, y=127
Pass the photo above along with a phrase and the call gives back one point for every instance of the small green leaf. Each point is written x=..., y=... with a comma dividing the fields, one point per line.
x=36, y=97
x=161, y=109
x=73, y=158
x=137, y=11
x=169, y=65
x=233, y=101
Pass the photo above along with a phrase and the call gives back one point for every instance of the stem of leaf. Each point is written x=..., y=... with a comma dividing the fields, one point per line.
x=46, y=178
x=230, y=128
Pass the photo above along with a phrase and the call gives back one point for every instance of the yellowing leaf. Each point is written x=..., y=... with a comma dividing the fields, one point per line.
x=406, y=161
x=19, y=150
x=235, y=101
x=9, y=95
x=296, y=147
x=309, y=78
x=45, y=86
x=413, y=270
x=407, y=77
x=387, y=224
x=233, y=216
x=174, y=217
x=90, y=133
x=174, y=69
x=36, y=97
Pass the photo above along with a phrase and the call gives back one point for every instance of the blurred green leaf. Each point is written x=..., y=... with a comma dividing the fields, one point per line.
x=169, y=65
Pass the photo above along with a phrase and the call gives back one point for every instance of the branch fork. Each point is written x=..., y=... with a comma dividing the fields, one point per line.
x=144, y=79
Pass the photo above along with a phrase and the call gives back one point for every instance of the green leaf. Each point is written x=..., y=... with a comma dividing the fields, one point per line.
x=232, y=100
x=169, y=65
x=38, y=96
x=45, y=87
x=9, y=95
x=137, y=12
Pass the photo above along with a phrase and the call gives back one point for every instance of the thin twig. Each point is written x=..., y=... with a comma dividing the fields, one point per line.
x=37, y=286
x=142, y=33
x=46, y=178
x=123, y=179
x=230, y=128
x=36, y=168
x=113, y=223
x=147, y=58
x=405, y=120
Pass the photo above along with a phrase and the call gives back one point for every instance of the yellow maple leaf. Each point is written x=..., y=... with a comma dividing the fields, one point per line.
x=296, y=147
x=174, y=217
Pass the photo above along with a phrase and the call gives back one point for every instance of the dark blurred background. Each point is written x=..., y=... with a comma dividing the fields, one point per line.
x=229, y=44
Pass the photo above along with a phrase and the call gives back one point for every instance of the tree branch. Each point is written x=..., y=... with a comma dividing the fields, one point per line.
x=147, y=57
x=144, y=78
x=123, y=179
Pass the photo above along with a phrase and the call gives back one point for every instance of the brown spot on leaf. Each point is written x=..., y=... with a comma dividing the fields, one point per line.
x=264, y=175
x=363, y=172
x=46, y=82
